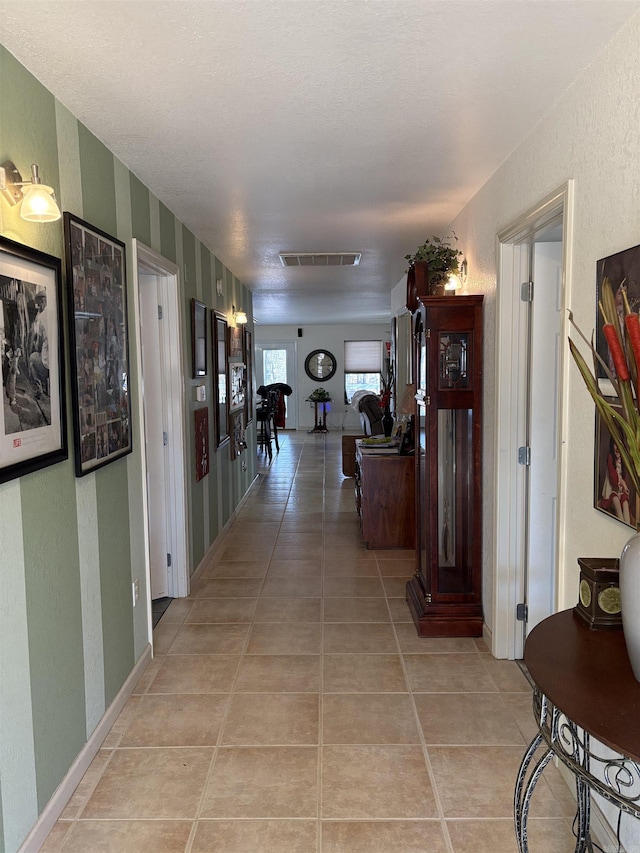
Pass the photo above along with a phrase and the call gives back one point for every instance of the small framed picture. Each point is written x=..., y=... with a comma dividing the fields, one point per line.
x=33, y=431
x=99, y=331
x=199, y=338
x=237, y=386
x=236, y=341
x=614, y=492
x=201, y=425
x=238, y=438
x=398, y=431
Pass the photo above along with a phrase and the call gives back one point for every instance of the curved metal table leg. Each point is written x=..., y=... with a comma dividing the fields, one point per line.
x=583, y=796
x=523, y=793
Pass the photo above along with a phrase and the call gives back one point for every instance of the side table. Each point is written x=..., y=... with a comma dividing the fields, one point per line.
x=584, y=689
x=320, y=418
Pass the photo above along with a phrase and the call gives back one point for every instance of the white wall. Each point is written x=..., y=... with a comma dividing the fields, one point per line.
x=591, y=135
x=331, y=338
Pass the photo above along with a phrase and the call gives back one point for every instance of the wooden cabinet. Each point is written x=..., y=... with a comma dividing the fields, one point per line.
x=445, y=595
x=385, y=490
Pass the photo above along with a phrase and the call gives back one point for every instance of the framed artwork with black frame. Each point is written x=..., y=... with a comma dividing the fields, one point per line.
x=237, y=386
x=248, y=360
x=614, y=492
x=33, y=431
x=238, y=438
x=201, y=441
x=623, y=272
x=198, y=338
x=220, y=370
x=99, y=344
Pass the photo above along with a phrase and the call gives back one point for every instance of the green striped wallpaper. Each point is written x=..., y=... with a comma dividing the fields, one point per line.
x=69, y=635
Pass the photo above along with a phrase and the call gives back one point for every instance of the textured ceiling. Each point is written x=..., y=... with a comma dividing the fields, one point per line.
x=311, y=125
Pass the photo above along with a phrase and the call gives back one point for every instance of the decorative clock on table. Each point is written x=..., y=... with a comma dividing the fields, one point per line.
x=599, y=598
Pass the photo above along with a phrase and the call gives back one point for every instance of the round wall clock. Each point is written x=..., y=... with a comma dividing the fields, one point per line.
x=320, y=365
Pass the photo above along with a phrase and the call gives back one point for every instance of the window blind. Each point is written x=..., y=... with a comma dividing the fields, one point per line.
x=363, y=356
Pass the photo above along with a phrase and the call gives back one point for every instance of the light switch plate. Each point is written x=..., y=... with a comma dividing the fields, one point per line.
x=201, y=393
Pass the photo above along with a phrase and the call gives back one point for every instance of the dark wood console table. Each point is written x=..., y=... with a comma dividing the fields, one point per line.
x=584, y=688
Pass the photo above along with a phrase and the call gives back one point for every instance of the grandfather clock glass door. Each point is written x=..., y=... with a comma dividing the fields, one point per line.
x=445, y=594
x=422, y=459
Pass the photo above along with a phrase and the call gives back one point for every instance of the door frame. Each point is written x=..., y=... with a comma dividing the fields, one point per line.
x=291, y=347
x=147, y=261
x=510, y=482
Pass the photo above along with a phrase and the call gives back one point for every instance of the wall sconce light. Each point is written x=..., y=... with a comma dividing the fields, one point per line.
x=239, y=317
x=463, y=272
x=38, y=200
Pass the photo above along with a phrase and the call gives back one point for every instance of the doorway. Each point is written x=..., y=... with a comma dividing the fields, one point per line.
x=162, y=422
x=276, y=362
x=531, y=300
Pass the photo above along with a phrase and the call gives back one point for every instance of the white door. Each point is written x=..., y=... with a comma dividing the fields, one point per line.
x=546, y=324
x=276, y=362
x=160, y=545
x=529, y=356
x=162, y=403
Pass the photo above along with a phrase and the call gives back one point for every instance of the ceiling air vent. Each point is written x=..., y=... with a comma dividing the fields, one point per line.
x=320, y=259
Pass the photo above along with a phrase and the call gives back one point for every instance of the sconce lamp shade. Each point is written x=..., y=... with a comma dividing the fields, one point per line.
x=39, y=205
x=37, y=200
x=239, y=316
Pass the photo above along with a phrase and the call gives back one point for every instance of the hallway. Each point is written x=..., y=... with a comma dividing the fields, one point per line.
x=291, y=707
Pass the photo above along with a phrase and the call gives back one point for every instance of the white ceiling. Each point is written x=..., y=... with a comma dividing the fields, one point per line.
x=311, y=125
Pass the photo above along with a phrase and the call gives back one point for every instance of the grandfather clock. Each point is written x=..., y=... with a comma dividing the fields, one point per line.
x=445, y=594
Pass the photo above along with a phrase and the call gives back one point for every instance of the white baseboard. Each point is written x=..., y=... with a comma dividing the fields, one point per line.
x=63, y=793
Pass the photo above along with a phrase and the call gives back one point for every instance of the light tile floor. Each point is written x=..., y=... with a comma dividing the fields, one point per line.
x=292, y=708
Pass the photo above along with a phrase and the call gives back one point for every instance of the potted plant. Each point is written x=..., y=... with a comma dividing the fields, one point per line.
x=319, y=395
x=436, y=259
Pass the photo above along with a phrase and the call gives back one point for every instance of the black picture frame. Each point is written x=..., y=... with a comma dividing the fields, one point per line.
x=248, y=360
x=237, y=386
x=99, y=345
x=238, y=442
x=33, y=428
x=236, y=342
x=220, y=371
x=613, y=488
x=198, y=338
x=623, y=271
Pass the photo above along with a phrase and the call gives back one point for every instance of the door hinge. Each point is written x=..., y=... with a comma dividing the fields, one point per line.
x=428, y=400
x=169, y=561
x=427, y=598
x=526, y=291
x=159, y=312
x=522, y=612
x=427, y=333
x=524, y=455
x=165, y=439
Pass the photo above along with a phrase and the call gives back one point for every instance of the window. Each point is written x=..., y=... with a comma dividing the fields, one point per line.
x=274, y=363
x=362, y=367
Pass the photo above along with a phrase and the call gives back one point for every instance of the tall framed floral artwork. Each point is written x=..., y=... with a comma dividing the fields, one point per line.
x=97, y=293
x=622, y=271
x=33, y=430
